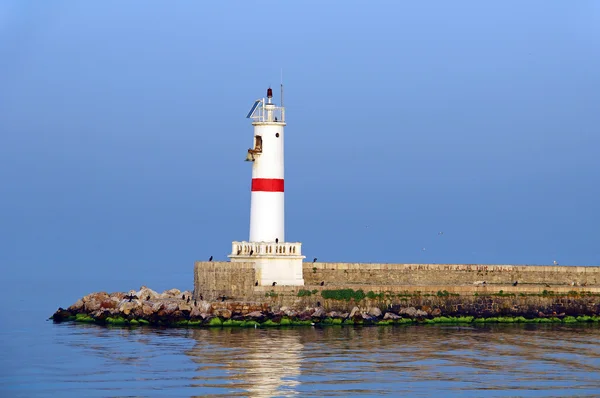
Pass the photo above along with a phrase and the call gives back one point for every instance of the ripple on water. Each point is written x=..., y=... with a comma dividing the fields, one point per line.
x=87, y=360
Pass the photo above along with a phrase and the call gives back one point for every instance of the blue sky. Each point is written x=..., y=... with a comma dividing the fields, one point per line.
x=123, y=132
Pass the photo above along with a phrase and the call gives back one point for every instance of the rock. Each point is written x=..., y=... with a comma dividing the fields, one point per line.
x=157, y=306
x=118, y=296
x=319, y=313
x=354, y=311
x=223, y=313
x=110, y=303
x=61, y=315
x=127, y=306
x=283, y=309
x=410, y=311
x=170, y=308
x=171, y=293
x=195, y=313
x=291, y=313
x=78, y=306
x=255, y=314
x=205, y=306
x=374, y=311
x=421, y=313
x=333, y=314
x=144, y=292
x=391, y=315
x=436, y=312
x=344, y=315
x=92, y=302
x=184, y=306
x=147, y=310
x=365, y=316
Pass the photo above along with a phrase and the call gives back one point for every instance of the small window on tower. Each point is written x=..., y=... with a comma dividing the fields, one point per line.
x=258, y=143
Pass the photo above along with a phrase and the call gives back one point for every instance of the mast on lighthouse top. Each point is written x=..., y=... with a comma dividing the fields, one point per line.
x=265, y=111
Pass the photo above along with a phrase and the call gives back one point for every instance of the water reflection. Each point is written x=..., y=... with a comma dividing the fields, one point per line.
x=263, y=363
x=334, y=361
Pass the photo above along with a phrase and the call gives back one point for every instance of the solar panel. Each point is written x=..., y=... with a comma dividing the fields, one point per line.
x=253, y=108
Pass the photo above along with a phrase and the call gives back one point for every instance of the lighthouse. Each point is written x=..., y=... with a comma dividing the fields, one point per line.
x=274, y=259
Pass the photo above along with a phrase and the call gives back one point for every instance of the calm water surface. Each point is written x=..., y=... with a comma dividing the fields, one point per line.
x=72, y=360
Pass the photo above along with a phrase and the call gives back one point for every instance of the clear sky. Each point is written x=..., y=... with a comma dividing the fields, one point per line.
x=123, y=132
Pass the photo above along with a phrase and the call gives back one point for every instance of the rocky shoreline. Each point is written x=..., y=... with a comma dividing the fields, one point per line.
x=174, y=308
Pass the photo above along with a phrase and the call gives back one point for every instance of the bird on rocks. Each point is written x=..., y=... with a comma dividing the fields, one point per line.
x=314, y=260
x=201, y=298
x=318, y=303
x=188, y=299
x=256, y=283
x=516, y=283
x=148, y=298
x=223, y=298
x=322, y=283
x=195, y=303
x=210, y=259
x=274, y=283
x=183, y=296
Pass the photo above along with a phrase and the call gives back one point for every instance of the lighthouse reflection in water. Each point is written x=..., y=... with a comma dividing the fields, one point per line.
x=495, y=360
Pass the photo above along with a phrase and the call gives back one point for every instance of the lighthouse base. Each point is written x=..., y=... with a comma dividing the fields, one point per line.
x=273, y=262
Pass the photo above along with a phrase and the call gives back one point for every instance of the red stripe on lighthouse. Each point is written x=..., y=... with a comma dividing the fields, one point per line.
x=267, y=185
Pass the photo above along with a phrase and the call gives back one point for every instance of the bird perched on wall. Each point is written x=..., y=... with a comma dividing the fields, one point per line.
x=274, y=283
x=210, y=259
x=256, y=283
x=252, y=252
x=555, y=262
x=322, y=283
x=314, y=260
x=516, y=283
x=276, y=240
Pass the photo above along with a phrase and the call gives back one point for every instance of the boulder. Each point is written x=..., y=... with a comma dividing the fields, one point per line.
x=374, y=311
x=61, y=315
x=171, y=293
x=144, y=292
x=391, y=315
x=92, y=302
x=421, y=313
x=157, y=306
x=184, y=306
x=223, y=313
x=78, y=306
x=127, y=306
x=319, y=313
x=436, y=312
x=354, y=311
x=333, y=314
x=365, y=316
x=410, y=311
x=118, y=296
x=110, y=303
x=170, y=308
x=147, y=310
x=195, y=313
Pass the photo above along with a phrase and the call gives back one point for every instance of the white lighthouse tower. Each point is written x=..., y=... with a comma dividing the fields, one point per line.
x=275, y=260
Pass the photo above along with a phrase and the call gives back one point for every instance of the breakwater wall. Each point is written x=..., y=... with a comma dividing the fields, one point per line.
x=452, y=289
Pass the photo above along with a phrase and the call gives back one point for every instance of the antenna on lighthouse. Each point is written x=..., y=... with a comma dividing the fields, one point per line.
x=281, y=87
